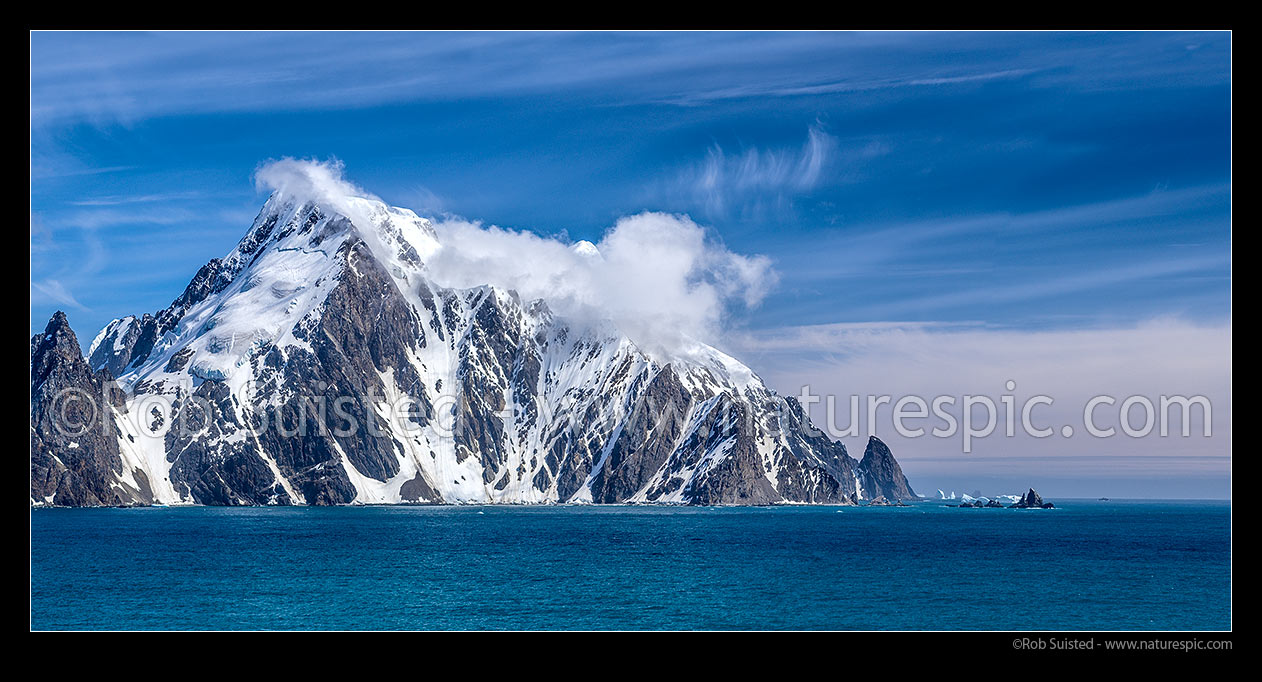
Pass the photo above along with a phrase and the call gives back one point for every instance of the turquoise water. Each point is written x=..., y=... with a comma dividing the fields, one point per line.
x=1085, y=565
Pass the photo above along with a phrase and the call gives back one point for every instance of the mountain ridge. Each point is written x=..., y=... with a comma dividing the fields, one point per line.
x=326, y=308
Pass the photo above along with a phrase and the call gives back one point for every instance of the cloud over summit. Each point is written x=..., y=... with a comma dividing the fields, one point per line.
x=662, y=279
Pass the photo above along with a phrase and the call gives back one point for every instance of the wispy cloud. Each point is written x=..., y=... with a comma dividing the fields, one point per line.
x=124, y=199
x=105, y=248
x=122, y=78
x=724, y=177
x=1035, y=288
x=828, y=87
x=54, y=291
x=97, y=218
x=65, y=261
x=967, y=264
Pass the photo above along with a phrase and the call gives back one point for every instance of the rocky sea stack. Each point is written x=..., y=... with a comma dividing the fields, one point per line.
x=1032, y=500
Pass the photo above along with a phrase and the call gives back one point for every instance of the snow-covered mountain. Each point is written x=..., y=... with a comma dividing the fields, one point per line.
x=319, y=363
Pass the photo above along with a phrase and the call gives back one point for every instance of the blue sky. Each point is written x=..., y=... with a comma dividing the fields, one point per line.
x=1006, y=181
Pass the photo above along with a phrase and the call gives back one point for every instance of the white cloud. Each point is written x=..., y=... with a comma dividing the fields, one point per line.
x=320, y=181
x=660, y=278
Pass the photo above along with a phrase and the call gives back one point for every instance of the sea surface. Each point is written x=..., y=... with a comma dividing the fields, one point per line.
x=1131, y=565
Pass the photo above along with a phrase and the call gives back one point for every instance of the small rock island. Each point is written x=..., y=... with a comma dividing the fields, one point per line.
x=1030, y=500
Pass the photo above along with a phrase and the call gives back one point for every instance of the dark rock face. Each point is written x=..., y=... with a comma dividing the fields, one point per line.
x=209, y=466
x=646, y=441
x=814, y=468
x=366, y=329
x=879, y=472
x=75, y=457
x=736, y=478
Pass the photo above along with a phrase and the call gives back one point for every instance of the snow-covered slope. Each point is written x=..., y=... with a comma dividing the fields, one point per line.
x=318, y=363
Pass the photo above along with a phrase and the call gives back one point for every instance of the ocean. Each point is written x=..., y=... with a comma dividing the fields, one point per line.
x=1129, y=565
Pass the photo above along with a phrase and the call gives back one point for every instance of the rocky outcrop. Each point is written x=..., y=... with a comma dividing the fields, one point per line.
x=1032, y=500
x=880, y=473
x=75, y=458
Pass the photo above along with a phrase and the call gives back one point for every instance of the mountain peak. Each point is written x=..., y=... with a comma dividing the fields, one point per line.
x=332, y=290
x=586, y=249
x=58, y=337
x=876, y=448
x=58, y=323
